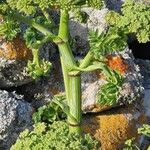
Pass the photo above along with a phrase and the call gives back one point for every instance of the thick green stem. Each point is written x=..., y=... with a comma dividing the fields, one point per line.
x=64, y=47
x=72, y=83
x=75, y=104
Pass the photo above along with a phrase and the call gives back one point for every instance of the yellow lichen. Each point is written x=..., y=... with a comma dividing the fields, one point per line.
x=15, y=50
x=113, y=128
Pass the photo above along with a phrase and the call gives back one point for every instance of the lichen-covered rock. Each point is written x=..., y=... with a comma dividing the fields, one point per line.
x=15, y=116
x=12, y=73
x=114, y=127
x=42, y=91
x=145, y=71
x=15, y=49
x=13, y=60
x=130, y=91
x=79, y=31
x=14, y=56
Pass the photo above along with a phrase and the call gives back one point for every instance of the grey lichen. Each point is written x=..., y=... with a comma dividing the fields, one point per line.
x=15, y=116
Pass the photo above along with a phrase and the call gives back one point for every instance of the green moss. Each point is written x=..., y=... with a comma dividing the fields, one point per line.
x=53, y=137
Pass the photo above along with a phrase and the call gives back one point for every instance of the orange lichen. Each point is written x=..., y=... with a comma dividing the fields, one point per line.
x=113, y=127
x=15, y=50
x=117, y=63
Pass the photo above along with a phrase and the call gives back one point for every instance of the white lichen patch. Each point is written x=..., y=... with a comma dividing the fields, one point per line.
x=15, y=116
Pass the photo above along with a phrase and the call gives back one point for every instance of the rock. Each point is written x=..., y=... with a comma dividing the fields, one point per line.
x=112, y=128
x=146, y=103
x=15, y=49
x=13, y=57
x=130, y=91
x=12, y=73
x=79, y=31
x=145, y=71
x=15, y=116
x=42, y=90
x=114, y=4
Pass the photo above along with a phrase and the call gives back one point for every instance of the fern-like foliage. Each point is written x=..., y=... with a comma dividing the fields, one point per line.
x=36, y=70
x=37, y=67
x=131, y=144
x=98, y=4
x=103, y=43
x=8, y=28
x=109, y=92
x=26, y=6
x=133, y=19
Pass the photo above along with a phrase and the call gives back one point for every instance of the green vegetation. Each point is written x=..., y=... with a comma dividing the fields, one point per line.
x=134, y=18
x=8, y=28
x=109, y=92
x=131, y=143
x=55, y=136
x=145, y=130
x=51, y=112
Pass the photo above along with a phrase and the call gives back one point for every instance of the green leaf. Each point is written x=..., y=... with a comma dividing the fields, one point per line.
x=104, y=43
x=8, y=28
x=145, y=130
x=51, y=112
x=109, y=92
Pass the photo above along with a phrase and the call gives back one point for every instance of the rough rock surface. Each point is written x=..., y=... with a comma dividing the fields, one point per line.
x=114, y=127
x=79, y=31
x=12, y=73
x=15, y=116
x=146, y=103
x=130, y=91
x=145, y=71
x=114, y=4
x=13, y=60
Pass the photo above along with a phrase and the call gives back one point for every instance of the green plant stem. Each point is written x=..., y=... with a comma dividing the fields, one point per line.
x=72, y=83
x=87, y=60
x=85, y=63
x=75, y=104
x=35, y=53
x=37, y=26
